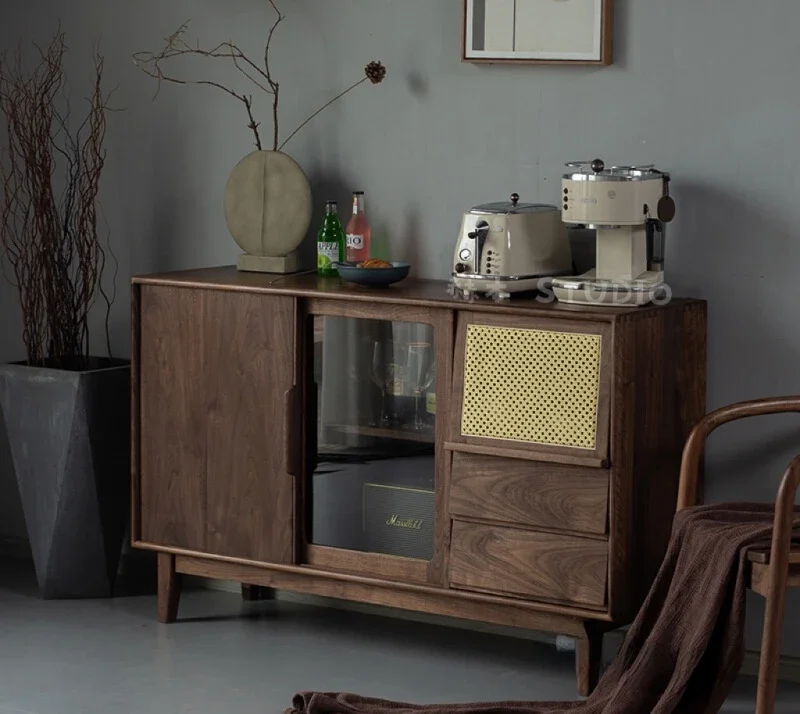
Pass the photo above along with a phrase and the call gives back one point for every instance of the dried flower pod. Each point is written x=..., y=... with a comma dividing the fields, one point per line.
x=375, y=72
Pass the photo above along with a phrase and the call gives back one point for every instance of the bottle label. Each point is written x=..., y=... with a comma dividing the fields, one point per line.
x=430, y=402
x=395, y=387
x=355, y=241
x=329, y=250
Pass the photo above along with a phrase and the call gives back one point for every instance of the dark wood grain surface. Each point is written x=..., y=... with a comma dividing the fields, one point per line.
x=528, y=564
x=213, y=368
x=444, y=329
x=250, y=365
x=136, y=521
x=571, y=498
x=465, y=605
x=373, y=564
x=172, y=412
x=588, y=659
x=553, y=538
x=169, y=588
x=505, y=451
x=423, y=293
x=659, y=395
x=303, y=572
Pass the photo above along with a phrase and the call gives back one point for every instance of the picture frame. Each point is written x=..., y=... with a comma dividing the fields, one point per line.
x=567, y=32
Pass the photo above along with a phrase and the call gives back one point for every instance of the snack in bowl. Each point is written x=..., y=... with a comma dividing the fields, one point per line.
x=373, y=273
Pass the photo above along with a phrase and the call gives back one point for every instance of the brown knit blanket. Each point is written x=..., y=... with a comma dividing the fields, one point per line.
x=682, y=653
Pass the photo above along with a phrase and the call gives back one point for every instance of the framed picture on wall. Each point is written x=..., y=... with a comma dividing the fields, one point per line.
x=538, y=31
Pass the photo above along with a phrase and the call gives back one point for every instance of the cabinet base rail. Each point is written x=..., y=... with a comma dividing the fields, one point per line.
x=344, y=586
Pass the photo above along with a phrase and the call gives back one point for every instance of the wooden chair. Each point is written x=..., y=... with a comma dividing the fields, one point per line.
x=772, y=570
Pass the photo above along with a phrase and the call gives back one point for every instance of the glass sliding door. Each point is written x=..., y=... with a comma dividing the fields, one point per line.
x=373, y=486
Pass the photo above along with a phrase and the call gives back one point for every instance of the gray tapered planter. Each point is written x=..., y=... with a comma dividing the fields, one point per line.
x=69, y=434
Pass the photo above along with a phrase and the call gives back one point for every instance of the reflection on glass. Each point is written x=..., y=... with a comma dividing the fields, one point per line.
x=420, y=366
x=372, y=489
x=388, y=373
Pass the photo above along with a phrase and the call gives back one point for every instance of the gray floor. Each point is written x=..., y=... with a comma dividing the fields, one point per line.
x=111, y=657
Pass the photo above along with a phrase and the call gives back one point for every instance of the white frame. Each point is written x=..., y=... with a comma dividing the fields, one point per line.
x=600, y=53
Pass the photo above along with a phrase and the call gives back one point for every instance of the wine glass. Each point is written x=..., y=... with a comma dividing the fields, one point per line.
x=420, y=370
x=383, y=374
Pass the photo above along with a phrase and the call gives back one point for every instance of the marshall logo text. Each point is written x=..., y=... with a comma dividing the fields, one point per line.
x=414, y=524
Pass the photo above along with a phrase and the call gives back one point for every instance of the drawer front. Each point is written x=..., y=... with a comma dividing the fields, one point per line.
x=531, y=493
x=528, y=564
x=538, y=385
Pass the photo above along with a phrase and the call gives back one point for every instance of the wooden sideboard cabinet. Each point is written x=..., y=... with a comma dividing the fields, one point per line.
x=512, y=463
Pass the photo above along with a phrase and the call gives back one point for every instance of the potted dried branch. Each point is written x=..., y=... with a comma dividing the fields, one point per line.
x=268, y=197
x=66, y=410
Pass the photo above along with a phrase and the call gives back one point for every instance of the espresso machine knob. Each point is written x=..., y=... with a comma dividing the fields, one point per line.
x=461, y=268
x=598, y=165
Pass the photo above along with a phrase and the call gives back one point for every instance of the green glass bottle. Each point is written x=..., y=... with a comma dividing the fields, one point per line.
x=330, y=242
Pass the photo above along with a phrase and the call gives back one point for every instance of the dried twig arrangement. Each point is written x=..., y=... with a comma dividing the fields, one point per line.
x=151, y=63
x=48, y=213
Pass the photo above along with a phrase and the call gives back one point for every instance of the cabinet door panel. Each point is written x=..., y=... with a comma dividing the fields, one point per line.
x=250, y=366
x=215, y=368
x=533, y=385
x=172, y=418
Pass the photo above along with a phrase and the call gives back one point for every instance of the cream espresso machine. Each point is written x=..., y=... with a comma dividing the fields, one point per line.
x=510, y=247
x=628, y=207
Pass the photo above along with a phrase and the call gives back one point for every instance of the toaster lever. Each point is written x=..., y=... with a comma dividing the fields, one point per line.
x=479, y=236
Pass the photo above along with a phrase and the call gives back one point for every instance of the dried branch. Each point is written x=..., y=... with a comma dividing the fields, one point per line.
x=272, y=83
x=176, y=46
x=51, y=242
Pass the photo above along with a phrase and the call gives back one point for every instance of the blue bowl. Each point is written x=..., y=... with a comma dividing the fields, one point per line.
x=373, y=277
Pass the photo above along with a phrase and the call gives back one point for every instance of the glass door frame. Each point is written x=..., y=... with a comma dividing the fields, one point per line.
x=378, y=565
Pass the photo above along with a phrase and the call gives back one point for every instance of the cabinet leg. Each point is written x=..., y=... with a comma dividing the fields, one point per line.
x=169, y=588
x=588, y=658
x=251, y=593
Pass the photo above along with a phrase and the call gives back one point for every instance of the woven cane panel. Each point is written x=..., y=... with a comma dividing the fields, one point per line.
x=532, y=386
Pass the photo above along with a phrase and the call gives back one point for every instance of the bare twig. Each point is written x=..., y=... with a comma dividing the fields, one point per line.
x=176, y=46
x=272, y=83
x=321, y=109
x=51, y=242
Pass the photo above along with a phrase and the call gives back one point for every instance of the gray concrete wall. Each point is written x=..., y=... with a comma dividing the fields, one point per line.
x=707, y=90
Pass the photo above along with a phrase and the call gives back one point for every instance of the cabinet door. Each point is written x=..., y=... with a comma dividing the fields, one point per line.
x=171, y=423
x=217, y=371
x=250, y=348
x=536, y=386
x=375, y=494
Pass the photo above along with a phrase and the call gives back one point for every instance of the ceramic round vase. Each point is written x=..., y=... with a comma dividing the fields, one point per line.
x=268, y=209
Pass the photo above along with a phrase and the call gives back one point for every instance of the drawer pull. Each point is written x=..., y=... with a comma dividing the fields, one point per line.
x=292, y=442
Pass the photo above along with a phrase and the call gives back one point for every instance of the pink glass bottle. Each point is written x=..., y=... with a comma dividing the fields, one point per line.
x=358, y=231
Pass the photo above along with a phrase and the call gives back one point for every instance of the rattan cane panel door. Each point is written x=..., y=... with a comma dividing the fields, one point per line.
x=535, y=387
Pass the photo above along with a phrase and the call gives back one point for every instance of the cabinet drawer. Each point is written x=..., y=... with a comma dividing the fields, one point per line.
x=527, y=564
x=532, y=493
